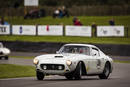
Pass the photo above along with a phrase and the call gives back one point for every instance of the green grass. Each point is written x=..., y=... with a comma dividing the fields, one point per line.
x=86, y=20
x=67, y=39
x=119, y=61
x=13, y=71
x=24, y=57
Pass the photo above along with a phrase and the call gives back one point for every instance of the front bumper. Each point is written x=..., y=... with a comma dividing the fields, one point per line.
x=51, y=70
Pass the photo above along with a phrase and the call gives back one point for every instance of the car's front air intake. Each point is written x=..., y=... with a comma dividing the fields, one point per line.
x=52, y=66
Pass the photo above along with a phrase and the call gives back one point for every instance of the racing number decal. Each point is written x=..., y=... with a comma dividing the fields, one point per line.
x=98, y=63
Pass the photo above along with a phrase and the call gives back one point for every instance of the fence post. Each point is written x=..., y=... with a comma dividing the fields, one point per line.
x=127, y=32
x=37, y=30
x=11, y=30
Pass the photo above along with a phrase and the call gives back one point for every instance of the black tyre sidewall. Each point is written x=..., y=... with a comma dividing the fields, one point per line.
x=103, y=75
x=78, y=72
x=39, y=75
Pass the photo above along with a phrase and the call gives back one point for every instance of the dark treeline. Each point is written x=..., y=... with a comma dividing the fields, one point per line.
x=68, y=3
x=83, y=2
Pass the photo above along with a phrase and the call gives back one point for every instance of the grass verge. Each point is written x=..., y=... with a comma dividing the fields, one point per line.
x=24, y=57
x=14, y=71
x=67, y=39
x=119, y=61
x=86, y=20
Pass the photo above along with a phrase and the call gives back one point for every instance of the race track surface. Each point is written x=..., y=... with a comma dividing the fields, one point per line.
x=120, y=77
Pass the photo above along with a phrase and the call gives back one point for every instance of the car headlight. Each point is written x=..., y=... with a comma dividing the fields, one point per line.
x=35, y=61
x=68, y=62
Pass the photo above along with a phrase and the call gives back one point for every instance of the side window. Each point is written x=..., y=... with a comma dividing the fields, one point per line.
x=95, y=52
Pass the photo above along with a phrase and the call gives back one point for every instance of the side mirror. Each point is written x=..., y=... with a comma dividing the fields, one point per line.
x=94, y=54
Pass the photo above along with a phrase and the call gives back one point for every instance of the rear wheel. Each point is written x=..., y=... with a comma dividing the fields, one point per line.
x=106, y=72
x=78, y=72
x=40, y=75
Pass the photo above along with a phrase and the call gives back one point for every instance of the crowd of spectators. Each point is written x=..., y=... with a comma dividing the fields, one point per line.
x=60, y=12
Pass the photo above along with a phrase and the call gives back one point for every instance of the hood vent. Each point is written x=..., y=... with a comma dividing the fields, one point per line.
x=58, y=56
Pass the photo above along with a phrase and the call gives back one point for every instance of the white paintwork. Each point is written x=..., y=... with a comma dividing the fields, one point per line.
x=5, y=51
x=94, y=62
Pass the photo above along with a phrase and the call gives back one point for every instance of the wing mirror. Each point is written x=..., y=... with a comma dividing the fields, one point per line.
x=94, y=54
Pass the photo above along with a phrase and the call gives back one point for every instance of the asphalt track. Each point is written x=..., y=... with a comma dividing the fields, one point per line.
x=120, y=77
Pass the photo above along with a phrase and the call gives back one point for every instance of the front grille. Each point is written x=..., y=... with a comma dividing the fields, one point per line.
x=52, y=66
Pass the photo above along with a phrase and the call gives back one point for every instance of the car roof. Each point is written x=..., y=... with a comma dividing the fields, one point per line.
x=89, y=45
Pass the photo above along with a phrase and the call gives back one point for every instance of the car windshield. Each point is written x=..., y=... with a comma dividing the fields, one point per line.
x=76, y=50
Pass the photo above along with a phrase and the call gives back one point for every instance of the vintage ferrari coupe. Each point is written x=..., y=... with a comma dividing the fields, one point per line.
x=74, y=61
x=4, y=52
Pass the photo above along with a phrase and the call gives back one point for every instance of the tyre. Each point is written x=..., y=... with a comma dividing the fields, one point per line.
x=78, y=72
x=106, y=72
x=69, y=76
x=6, y=57
x=40, y=75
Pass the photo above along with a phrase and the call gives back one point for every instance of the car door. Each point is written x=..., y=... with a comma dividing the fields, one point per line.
x=94, y=62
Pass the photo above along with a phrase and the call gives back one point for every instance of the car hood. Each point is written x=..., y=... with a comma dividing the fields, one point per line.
x=65, y=56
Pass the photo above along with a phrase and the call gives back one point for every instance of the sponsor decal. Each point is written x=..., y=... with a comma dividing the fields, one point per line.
x=117, y=31
x=98, y=63
x=104, y=31
x=20, y=29
x=2, y=29
x=47, y=28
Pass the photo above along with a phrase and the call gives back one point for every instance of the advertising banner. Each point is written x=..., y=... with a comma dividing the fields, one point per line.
x=24, y=30
x=4, y=29
x=110, y=31
x=56, y=30
x=78, y=31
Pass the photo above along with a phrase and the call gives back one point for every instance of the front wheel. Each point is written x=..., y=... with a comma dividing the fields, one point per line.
x=69, y=77
x=106, y=72
x=78, y=72
x=40, y=75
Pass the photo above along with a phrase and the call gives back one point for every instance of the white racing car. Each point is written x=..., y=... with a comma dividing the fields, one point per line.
x=74, y=61
x=4, y=52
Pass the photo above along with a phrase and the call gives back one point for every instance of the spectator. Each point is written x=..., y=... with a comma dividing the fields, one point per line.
x=65, y=12
x=94, y=28
x=112, y=22
x=56, y=13
x=3, y=22
x=60, y=13
x=76, y=21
